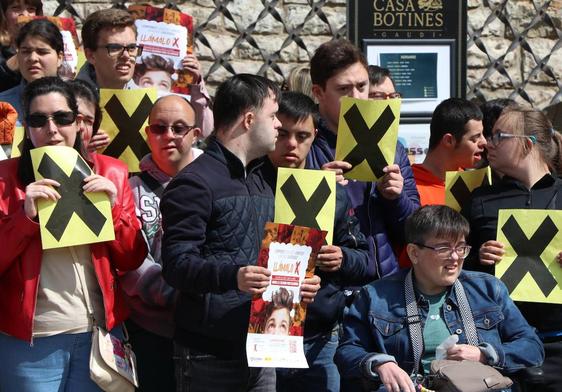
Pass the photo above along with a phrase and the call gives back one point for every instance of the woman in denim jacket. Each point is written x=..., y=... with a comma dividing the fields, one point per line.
x=377, y=343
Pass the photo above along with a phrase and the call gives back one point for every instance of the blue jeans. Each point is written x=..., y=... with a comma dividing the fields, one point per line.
x=322, y=374
x=201, y=372
x=59, y=363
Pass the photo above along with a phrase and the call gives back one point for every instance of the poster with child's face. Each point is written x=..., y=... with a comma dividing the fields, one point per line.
x=275, y=332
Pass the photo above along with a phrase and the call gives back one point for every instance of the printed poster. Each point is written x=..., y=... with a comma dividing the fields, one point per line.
x=367, y=136
x=77, y=218
x=532, y=239
x=166, y=36
x=460, y=184
x=275, y=332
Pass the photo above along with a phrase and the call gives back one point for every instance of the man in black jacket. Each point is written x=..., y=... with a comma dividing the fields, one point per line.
x=214, y=212
x=341, y=265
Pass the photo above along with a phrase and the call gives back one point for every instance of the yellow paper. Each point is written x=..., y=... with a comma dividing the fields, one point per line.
x=462, y=184
x=81, y=60
x=306, y=198
x=17, y=142
x=125, y=116
x=63, y=226
x=367, y=136
x=540, y=229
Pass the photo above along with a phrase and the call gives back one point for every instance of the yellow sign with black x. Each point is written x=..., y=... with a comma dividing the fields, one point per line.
x=17, y=142
x=306, y=198
x=125, y=116
x=532, y=240
x=460, y=184
x=367, y=136
x=77, y=218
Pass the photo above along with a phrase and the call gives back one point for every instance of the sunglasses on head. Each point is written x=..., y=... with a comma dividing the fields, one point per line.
x=177, y=129
x=60, y=118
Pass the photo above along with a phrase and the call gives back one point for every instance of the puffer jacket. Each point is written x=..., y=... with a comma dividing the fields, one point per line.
x=381, y=220
x=20, y=260
x=213, y=214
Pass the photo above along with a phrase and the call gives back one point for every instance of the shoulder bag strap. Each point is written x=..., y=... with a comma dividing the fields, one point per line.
x=466, y=314
x=414, y=321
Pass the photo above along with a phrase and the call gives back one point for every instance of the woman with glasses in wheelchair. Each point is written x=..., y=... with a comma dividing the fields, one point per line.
x=51, y=298
x=395, y=324
x=526, y=149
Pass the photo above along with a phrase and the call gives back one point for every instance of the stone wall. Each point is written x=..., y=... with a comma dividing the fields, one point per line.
x=271, y=36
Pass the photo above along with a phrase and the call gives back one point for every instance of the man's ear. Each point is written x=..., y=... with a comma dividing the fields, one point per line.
x=449, y=140
x=412, y=251
x=317, y=91
x=248, y=119
x=89, y=53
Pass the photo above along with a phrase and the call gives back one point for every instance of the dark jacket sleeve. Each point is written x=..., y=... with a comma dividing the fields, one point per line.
x=355, y=249
x=398, y=210
x=186, y=210
x=8, y=78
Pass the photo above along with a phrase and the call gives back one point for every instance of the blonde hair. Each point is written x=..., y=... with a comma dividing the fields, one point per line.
x=299, y=80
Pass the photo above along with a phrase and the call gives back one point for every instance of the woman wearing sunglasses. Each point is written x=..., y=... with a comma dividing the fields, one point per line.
x=46, y=327
x=528, y=151
x=40, y=53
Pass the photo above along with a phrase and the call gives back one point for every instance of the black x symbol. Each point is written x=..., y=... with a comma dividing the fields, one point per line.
x=129, y=127
x=305, y=210
x=367, y=139
x=528, y=255
x=72, y=198
x=460, y=191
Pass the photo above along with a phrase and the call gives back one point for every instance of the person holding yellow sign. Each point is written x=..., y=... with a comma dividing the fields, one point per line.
x=52, y=298
x=528, y=151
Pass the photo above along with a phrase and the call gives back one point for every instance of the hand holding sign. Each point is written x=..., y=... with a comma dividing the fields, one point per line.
x=253, y=279
x=309, y=288
x=391, y=184
x=491, y=252
x=42, y=189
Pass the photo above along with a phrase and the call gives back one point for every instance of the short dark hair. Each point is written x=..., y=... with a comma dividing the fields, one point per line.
x=44, y=29
x=86, y=91
x=297, y=106
x=36, y=88
x=451, y=116
x=105, y=18
x=377, y=75
x=332, y=57
x=239, y=94
x=491, y=111
x=435, y=221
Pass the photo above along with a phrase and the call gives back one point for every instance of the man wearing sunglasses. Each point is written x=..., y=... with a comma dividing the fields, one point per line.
x=170, y=135
x=109, y=37
x=456, y=142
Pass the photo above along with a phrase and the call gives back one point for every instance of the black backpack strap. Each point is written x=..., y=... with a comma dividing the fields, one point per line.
x=150, y=181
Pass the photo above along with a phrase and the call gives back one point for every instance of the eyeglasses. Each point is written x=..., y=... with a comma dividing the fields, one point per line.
x=447, y=252
x=177, y=130
x=117, y=50
x=497, y=138
x=60, y=118
x=381, y=95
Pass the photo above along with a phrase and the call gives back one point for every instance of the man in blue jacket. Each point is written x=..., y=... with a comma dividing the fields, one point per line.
x=214, y=212
x=338, y=69
x=341, y=265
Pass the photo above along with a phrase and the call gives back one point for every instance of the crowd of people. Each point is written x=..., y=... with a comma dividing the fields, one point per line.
x=403, y=272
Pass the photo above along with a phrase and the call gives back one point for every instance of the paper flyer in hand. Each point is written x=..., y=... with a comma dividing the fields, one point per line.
x=275, y=332
x=166, y=36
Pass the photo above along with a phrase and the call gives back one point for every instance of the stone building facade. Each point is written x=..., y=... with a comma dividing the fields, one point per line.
x=514, y=46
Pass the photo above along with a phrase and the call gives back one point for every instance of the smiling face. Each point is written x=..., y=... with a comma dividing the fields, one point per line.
x=433, y=272
x=113, y=71
x=37, y=59
x=279, y=322
x=51, y=134
x=172, y=152
x=294, y=140
x=468, y=151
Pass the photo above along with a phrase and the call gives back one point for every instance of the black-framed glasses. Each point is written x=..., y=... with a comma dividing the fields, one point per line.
x=117, y=50
x=497, y=137
x=381, y=95
x=60, y=118
x=446, y=251
x=177, y=129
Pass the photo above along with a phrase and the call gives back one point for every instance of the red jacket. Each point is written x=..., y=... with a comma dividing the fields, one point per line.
x=20, y=257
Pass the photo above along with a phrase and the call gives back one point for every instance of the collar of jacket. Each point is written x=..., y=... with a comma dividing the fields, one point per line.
x=546, y=181
x=237, y=170
x=326, y=134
